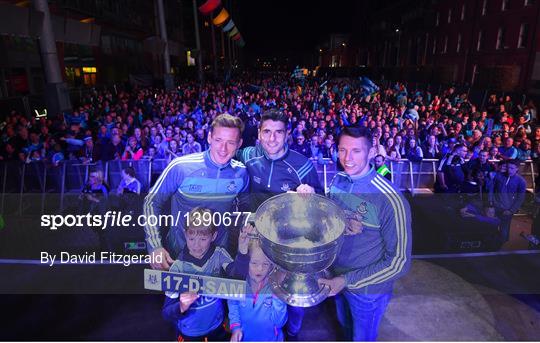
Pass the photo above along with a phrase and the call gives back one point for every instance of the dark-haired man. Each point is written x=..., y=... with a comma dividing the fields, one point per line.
x=508, y=195
x=273, y=169
x=377, y=252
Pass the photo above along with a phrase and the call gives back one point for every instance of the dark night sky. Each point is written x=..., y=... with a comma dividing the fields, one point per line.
x=281, y=27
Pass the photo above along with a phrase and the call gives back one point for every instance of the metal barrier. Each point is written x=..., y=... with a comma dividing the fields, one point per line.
x=419, y=177
x=17, y=180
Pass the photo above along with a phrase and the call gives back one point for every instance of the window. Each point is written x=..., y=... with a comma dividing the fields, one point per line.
x=501, y=33
x=89, y=79
x=437, y=19
x=450, y=15
x=463, y=12
x=523, y=35
x=479, y=44
x=89, y=70
x=529, y=2
x=336, y=61
x=504, y=5
x=445, y=47
x=484, y=7
x=458, y=46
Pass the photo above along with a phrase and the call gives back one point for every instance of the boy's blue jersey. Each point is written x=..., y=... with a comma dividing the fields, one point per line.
x=271, y=177
x=206, y=313
x=381, y=253
x=261, y=316
x=190, y=181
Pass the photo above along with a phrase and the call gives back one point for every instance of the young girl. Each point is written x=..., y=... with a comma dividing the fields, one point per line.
x=262, y=315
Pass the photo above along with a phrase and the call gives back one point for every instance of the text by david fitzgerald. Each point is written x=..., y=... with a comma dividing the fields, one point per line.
x=104, y=257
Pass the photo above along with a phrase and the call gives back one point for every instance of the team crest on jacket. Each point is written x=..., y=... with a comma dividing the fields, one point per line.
x=289, y=170
x=362, y=209
x=285, y=187
x=231, y=187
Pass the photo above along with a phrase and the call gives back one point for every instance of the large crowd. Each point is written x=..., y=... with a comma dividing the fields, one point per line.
x=155, y=124
x=377, y=124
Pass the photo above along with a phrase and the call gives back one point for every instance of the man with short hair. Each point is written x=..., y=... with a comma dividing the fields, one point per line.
x=273, y=169
x=508, y=151
x=211, y=179
x=381, y=168
x=478, y=169
x=450, y=175
x=377, y=248
x=508, y=195
x=301, y=146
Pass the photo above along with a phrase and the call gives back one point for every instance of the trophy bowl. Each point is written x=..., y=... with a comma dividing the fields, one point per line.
x=301, y=235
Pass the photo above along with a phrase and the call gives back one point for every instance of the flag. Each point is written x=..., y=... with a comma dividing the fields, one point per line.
x=221, y=18
x=368, y=87
x=230, y=25
x=236, y=37
x=233, y=32
x=209, y=6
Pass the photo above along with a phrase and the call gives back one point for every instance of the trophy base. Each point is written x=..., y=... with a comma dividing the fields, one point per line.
x=301, y=290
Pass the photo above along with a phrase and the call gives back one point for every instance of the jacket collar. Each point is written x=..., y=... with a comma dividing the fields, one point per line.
x=277, y=159
x=187, y=257
x=210, y=163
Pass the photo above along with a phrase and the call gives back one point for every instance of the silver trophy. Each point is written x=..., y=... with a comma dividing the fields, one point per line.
x=301, y=234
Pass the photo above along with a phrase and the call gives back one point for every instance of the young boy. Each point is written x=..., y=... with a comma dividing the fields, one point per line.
x=261, y=316
x=200, y=318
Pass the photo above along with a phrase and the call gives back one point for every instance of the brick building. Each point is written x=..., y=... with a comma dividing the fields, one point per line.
x=485, y=43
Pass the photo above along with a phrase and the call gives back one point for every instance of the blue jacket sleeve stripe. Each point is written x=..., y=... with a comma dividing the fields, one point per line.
x=306, y=168
x=245, y=154
x=400, y=258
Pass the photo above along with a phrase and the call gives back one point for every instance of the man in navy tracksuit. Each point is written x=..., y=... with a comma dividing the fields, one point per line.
x=507, y=196
x=377, y=248
x=273, y=169
x=211, y=179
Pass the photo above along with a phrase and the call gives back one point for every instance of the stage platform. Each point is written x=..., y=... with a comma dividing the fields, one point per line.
x=478, y=297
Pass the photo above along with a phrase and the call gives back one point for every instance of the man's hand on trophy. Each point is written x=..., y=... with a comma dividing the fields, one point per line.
x=305, y=189
x=336, y=284
x=165, y=259
x=354, y=223
x=237, y=336
x=186, y=299
x=246, y=233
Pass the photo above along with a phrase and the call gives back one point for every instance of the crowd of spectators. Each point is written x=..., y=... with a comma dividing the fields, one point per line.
x=156, y=124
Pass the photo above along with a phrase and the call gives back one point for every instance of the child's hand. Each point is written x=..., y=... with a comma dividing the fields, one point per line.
x=166, y=260
x=243, y=239
x=237, y=336
x=186, y=299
